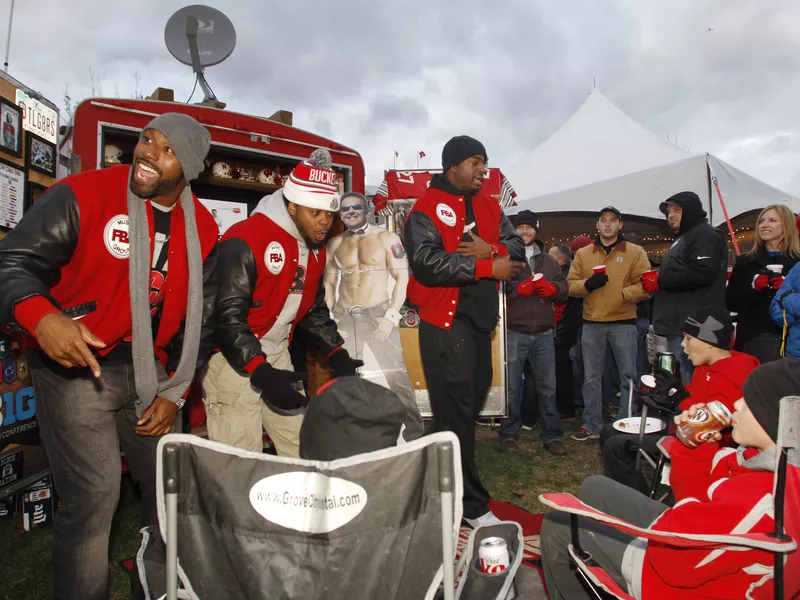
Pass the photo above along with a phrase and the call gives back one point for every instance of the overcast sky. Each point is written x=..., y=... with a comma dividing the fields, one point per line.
x=719, y=76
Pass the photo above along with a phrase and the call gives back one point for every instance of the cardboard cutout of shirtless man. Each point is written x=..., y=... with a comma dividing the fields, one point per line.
x=357, y=291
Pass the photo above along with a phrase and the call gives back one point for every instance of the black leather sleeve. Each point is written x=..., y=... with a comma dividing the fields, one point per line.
x=430, y=264
x=208, y=327
x=32, y=254
x=318, y=326
x=235, y=277
x=511, y=239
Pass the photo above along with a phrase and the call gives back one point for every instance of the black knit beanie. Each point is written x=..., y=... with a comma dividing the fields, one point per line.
x=711, y=324
x=459, y=149
x=765, y=387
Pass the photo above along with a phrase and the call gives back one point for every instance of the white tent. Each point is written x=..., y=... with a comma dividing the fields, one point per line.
x=601, y=156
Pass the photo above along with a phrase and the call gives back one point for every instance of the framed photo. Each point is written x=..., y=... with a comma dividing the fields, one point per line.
x=12, y=194
x=35, y=192
x=40, y=155
x=10, y=128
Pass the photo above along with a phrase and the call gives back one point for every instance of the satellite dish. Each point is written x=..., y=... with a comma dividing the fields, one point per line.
x=200, y=36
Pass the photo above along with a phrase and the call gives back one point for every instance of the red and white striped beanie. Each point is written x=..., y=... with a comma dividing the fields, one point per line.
x=312, y=183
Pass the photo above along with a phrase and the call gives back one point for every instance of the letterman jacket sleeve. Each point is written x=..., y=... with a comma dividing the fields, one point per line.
x=430, y=264
x=318, y=325
x=207, y=327
x=32, y=254
x=236, y=277
x=514, y=246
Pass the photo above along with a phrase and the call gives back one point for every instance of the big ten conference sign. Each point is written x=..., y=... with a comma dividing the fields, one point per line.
x=18, y=422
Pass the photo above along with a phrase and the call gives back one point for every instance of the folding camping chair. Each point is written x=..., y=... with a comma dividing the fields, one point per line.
x=242, y=525
x=786, y=581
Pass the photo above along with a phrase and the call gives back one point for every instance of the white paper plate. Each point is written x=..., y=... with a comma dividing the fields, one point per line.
x=631, y=425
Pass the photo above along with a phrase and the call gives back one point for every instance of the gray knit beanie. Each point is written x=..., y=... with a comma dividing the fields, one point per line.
x=190, y=141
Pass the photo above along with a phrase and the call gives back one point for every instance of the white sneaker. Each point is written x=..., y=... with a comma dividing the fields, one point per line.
x=485, y=519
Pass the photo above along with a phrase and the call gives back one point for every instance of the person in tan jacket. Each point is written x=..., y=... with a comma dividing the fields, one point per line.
x=608, y=276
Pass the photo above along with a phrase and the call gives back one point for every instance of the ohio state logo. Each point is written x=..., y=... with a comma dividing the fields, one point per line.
x=446, y=214
x=275, y=258
x=115, y=236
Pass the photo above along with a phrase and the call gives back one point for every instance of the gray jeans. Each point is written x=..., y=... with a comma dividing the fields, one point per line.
x=83, y=423
x=606, y=544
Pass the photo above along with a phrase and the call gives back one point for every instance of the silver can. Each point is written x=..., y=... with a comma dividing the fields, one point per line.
x=493, y=555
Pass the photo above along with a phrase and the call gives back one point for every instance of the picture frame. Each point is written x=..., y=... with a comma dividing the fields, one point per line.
x=40, y=155
x=11, y=131
x=13, y=186
x=35, y=191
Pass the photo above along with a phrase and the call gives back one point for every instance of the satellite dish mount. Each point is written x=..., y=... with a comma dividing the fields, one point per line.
x=200, y=36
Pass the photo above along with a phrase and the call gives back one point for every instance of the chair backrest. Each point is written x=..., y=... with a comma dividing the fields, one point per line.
x=258, y=526
x=788, y=441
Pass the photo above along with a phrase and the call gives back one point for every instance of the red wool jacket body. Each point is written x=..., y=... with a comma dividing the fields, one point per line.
x=80, y=259
x=446, y=211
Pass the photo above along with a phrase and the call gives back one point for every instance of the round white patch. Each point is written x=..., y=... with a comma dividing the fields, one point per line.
x=446, y=214
x=274, y=258
x=115, y=236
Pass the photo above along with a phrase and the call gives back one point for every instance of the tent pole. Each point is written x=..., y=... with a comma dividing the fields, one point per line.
x=715, y=182
x=710, y=192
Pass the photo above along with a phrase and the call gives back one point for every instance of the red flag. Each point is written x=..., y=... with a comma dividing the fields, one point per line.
x=421, y=154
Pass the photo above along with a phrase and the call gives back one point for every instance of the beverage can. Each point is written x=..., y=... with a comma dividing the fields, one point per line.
x=666, y=361
x=493, y=555
x=711, y=418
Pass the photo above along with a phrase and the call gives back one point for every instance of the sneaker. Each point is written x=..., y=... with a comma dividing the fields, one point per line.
x=584, y=434
x=556, y=447
x=485, y=519
x=508, y=446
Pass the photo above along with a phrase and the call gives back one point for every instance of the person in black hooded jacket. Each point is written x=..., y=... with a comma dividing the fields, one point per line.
x=693, y=273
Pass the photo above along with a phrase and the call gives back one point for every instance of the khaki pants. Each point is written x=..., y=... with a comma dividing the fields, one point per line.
x=235, y=412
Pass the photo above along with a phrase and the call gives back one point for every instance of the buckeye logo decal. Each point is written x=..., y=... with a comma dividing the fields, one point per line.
x=115, y=236
x=274, y=258
x=446, y=214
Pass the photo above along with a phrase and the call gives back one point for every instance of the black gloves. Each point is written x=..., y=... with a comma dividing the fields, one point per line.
x=277, y=388
x=658, y=403
x=596, y=281
x=343, y=365
x=669, y=387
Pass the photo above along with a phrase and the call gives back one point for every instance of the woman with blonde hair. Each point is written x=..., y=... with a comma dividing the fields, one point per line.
x=757, y=276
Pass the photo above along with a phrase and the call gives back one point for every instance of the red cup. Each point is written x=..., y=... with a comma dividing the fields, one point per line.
x=650, y=276
x=599, y=269
x=538, y=277
x=647, y=383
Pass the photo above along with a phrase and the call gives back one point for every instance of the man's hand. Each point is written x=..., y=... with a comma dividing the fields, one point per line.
x=478, y=248
x=67, y=342
x=277, y=386
x=595, y=282
x=384, y=330
x=343, y=365
x=505, y=269
x=158, y=418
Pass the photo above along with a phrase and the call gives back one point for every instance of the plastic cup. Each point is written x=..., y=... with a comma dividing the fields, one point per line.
x=599, y=269
x=538, y=277
x=777, y=269
x=650, y=275
x=647, y=383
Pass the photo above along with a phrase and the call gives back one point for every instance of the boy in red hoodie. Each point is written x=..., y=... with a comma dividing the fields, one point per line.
x=719, y=491
x=719, y=375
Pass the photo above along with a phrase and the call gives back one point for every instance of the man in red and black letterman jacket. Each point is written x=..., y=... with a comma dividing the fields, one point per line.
x=269, y=279
x=460, y=244
x=77, y=273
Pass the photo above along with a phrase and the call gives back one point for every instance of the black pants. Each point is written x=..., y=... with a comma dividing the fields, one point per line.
x=83, y=422
x=565, y=393
x=458, y=366
x=619, y=457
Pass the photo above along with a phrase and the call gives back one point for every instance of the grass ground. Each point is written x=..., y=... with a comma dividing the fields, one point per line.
x=519, y=479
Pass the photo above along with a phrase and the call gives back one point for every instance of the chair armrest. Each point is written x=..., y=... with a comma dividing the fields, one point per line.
x=570, y=504
x=598, y=576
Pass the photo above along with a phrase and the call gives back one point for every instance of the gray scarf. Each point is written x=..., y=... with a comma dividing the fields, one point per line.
x=150, y=377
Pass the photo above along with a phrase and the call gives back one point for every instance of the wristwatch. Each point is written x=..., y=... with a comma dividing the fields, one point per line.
x=393, y=317
x=495, y=251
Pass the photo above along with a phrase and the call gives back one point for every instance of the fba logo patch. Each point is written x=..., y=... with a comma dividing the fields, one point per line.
x=274, y=258
x=115, y=236
x=446, y=214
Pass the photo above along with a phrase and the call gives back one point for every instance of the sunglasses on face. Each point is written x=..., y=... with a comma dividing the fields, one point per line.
x=349, y=207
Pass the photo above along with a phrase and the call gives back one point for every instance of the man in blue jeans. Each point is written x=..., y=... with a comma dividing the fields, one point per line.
x=607, y=275
x=530, y=325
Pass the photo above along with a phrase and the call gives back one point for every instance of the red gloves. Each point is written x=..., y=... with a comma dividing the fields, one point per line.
x=650, y=282
x=545, y=289
x=542, y=288
x=761, y=282
x=776, y=281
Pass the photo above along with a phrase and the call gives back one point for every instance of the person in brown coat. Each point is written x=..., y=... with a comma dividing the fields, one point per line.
x=608, y=276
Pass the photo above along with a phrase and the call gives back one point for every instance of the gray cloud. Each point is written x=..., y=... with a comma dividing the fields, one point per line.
x=406, y=75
